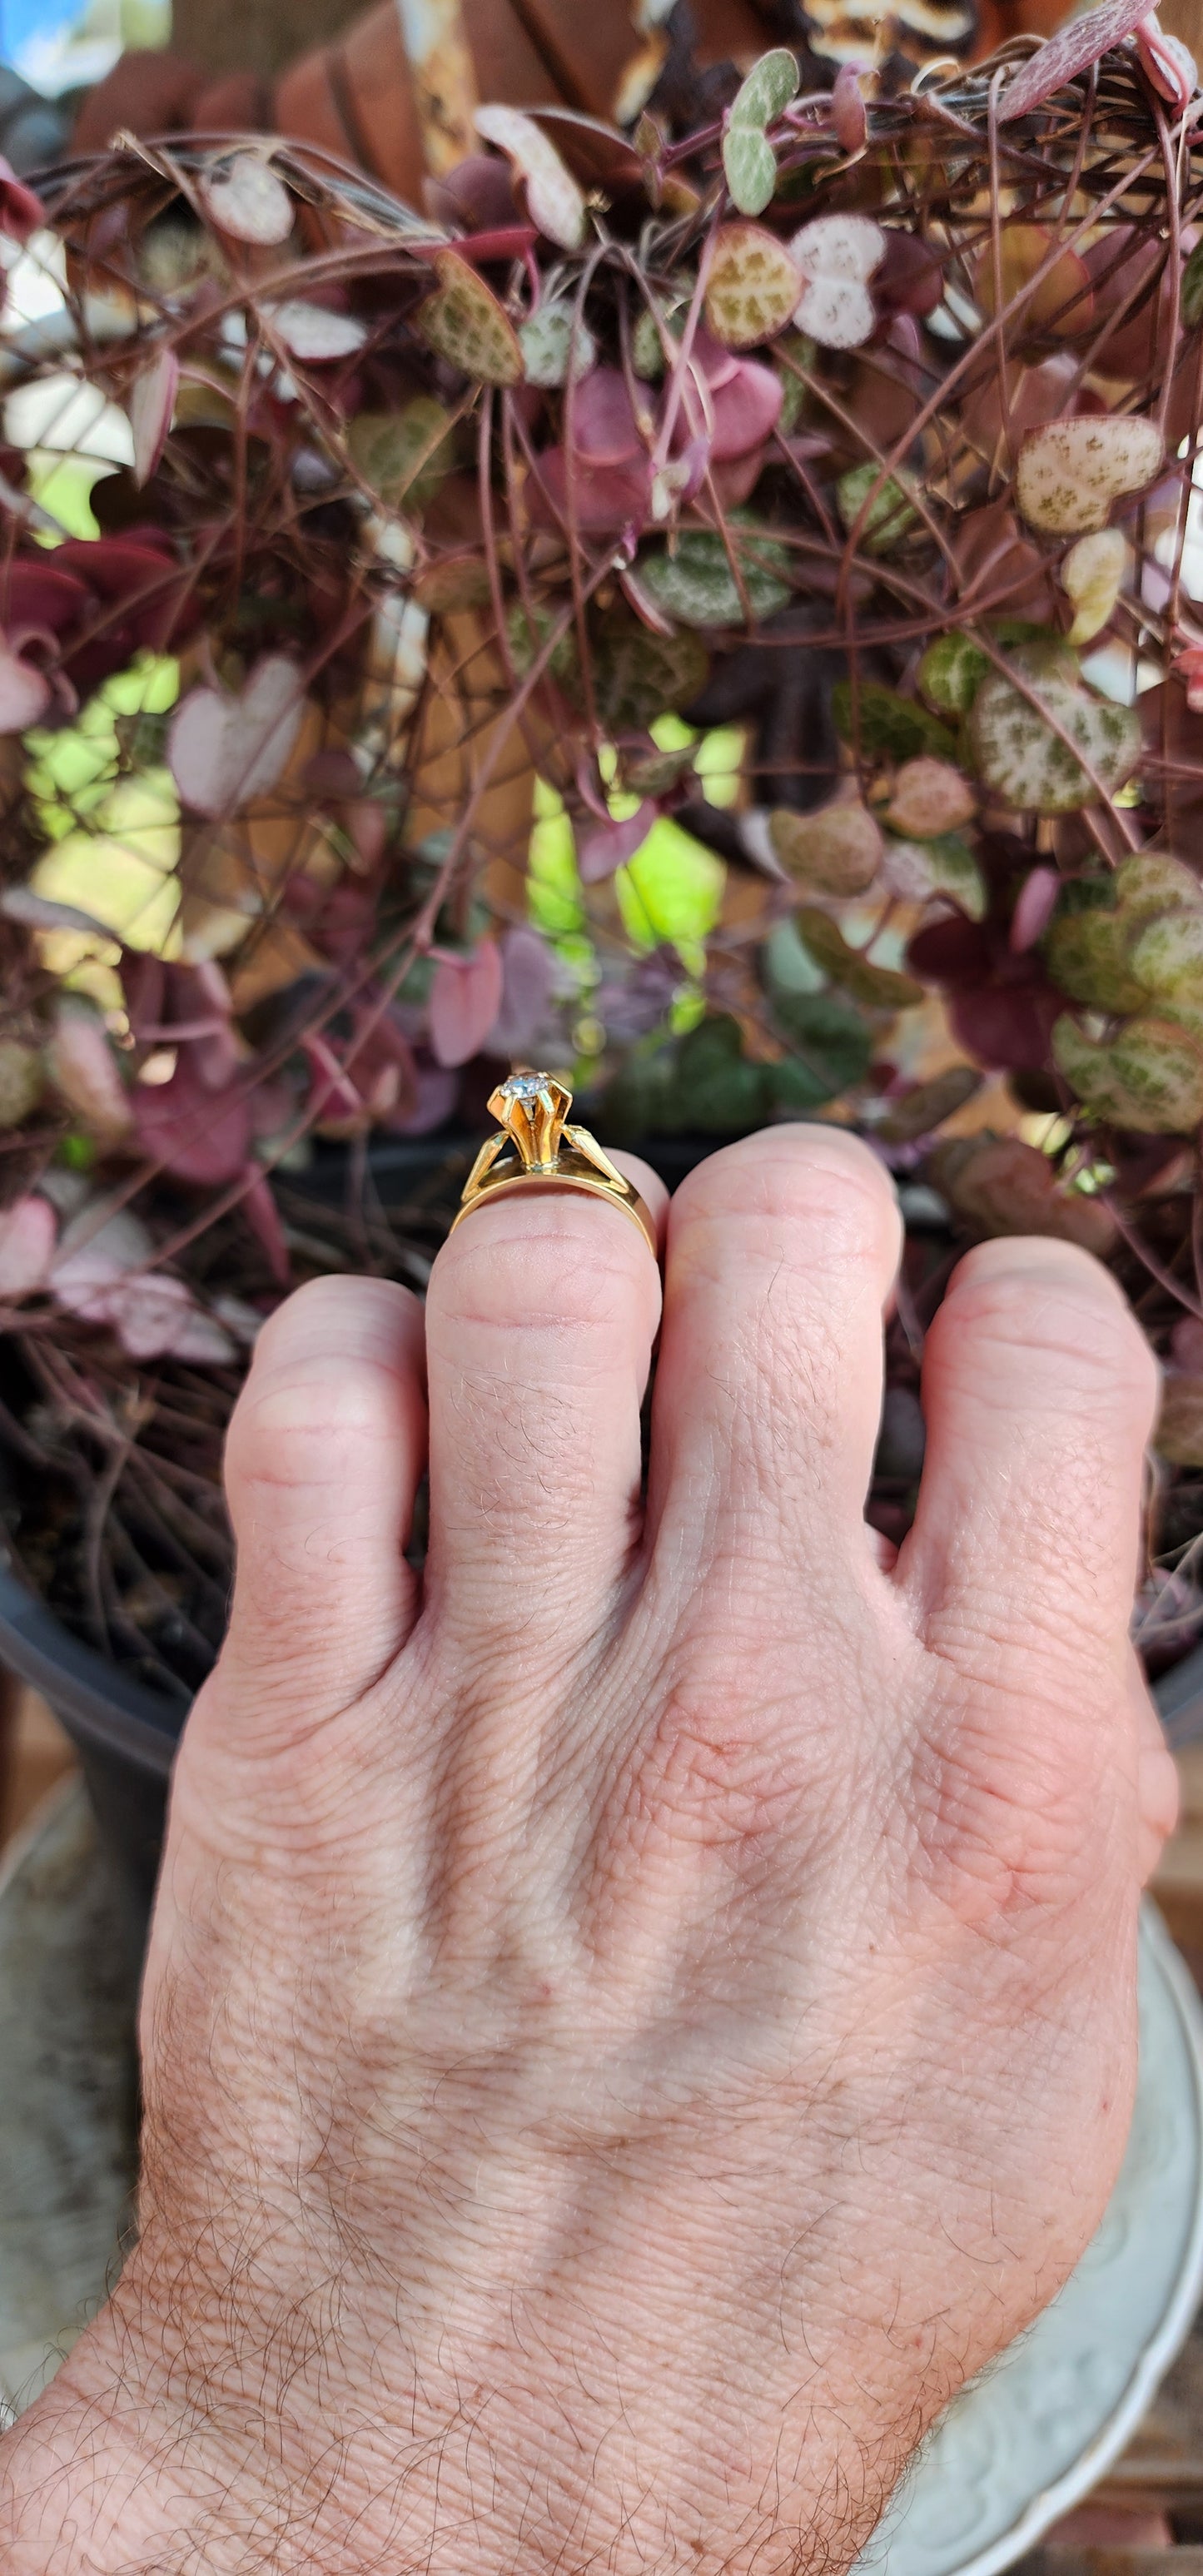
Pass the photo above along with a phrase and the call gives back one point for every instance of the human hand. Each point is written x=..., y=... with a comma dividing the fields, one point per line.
x=636, y=2016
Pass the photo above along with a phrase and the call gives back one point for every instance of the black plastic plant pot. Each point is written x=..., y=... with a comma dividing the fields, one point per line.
x=125, y=1735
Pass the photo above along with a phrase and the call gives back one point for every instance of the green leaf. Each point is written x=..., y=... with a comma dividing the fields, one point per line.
x=696, y=585
x=718, y=1091
x=525, y=647
x=1085, y=955
x=891, y=727
x=891, y=513
x=881, y=988
x=951, y=673
x=1021, y=759
x=769, y=87
x=403, y=455
x=466, y=324
x=750, y=168
x=638, y=675
x=550, y=338
x=830, y=1047
x=748, y=158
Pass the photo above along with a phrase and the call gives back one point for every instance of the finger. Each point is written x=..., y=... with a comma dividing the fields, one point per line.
x=781, y=1253
x=540, y=1318
x=325, y=1450
x=1038, y=1393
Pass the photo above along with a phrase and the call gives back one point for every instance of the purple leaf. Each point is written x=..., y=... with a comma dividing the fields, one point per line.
x=224, y=750
x=198, y=1135
x=27, y=1235
x=437, y=1091
x=1061, y=57
x=607, y=846
x=712, y=360
x=465, y=998
x=1006, y=1027
x=746, y=410
x=1034, y=909
x=527, y=991
x=604, y=427
x=605, y=498
x=848, y=109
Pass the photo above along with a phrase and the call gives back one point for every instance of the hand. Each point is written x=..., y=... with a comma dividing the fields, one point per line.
x=636, y=2016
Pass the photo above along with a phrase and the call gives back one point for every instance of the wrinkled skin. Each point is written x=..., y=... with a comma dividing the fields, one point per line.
x=637, y=2014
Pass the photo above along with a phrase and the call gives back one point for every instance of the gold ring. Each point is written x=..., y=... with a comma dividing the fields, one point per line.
x=535, y=1149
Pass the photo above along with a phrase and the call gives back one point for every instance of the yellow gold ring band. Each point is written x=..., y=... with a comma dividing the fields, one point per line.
x=535, y=1149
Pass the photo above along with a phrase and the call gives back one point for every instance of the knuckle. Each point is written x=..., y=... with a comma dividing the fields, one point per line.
x=827, y=1184
x=297, y=1418
x=1066, y=1311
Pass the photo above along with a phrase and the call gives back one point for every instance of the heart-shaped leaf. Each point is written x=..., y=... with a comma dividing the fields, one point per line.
x=829, y=1047
x=878, y=506
x=917, y=871
x=246, y=198
x=151, y=409
x=27, y=1238
x=1086, y=954
x=403, y=455
x=881, y=988
x=769, y=87
x=921, y=1110
x=1071, y=471
x=468, y=326
x=1006, y=1187
x=556, y=203
x=604, y=847
x=638, y=675
x=465, y=997
x=750, y=168
x=223, y=750
x=1150, y=1078
x=556, y=342
x=1151, y=881
x=202, y=1136
x=1059, y=60
x=1166, y=953
x=696, y=584
x=835, y=851
x=603, y=423
x=951, y=673
x=837, y=255
x=928, y=797
x=1020, y=757
x=752, y=286
x=883, y=725
x=21, y=213
x=1034, y=909
x=315, y=334
x=1092, y=576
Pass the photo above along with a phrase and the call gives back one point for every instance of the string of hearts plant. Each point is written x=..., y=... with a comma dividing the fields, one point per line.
x=721, y=613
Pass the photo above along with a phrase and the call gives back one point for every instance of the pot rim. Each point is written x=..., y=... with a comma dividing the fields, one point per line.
x=97, y=1701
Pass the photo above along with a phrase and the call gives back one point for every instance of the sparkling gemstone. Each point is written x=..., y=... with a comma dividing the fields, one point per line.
x=524, y=1086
